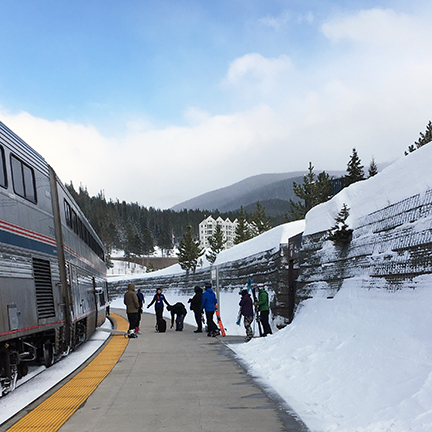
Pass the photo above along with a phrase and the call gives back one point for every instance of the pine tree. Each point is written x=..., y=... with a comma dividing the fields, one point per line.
x=189, y=251
x=217, y=243
x=147, y=242
x=354, y=169
x=323, y=189
x=424, y=139
x=242, y=231
x=373, y=169
x=259, y=220
x=303, y=191
x=339, y=232
x=312, y=192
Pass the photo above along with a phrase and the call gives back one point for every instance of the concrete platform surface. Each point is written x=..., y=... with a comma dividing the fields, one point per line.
x=179, y=381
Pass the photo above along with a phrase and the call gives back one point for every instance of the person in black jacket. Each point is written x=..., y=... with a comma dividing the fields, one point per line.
x=178, y=311
x=195, y=306
x=247, y=312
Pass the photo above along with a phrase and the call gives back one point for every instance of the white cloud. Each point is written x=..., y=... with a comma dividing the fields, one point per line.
x=380, y=27
x=256, y=73
x=282, y=20
x=375, y=96
x=276, y=22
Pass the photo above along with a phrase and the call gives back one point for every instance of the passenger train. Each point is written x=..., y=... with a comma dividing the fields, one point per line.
x=53, y=290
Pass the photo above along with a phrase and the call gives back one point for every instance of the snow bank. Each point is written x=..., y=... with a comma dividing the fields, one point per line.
x=359, y=362
x=408, y=176
x=267, y=241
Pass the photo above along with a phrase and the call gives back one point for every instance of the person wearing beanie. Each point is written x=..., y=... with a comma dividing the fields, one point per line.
x=264, y=309
x=208, y=303
x=195, y=306
x=130, y=299
x=246, y=309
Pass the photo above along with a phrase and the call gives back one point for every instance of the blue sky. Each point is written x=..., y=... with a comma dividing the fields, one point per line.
x=159, y=101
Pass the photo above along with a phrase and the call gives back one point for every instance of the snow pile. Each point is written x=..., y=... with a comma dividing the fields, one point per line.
x=267, y=241
x=359, y=362
x=408, y=176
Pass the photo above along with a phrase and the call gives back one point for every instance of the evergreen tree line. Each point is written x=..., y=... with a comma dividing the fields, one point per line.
x=317, y=189
x=137, y=230
x=424, y=138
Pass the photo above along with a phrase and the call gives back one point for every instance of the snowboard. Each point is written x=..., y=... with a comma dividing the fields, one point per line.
x=219, y=320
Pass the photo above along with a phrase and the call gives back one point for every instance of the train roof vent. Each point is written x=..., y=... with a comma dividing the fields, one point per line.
x=44, y=289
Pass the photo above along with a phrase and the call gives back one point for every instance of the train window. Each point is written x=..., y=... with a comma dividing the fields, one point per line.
x=3, y=177
x=23, y=179
x=68, y=214
x=76, y=224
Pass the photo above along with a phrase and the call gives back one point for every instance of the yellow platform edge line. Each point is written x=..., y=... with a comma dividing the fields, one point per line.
x=51, y=414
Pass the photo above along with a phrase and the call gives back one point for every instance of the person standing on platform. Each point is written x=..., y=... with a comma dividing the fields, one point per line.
x=159, y=300
x=141, y=301
x=246, y=308
x=132, y=307
x=195, y=306
x=208, y=303
x=264, y=309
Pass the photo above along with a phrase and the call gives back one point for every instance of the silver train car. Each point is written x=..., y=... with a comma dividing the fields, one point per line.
x=53, y=290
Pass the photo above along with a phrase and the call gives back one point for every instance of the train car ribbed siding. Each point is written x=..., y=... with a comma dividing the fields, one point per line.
x=51, y=414
x=44, y=289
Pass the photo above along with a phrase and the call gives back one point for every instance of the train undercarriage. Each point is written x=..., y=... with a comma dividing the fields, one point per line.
x=39, y=349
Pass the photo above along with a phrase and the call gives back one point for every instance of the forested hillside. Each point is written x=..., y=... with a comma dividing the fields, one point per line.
x=137, y=229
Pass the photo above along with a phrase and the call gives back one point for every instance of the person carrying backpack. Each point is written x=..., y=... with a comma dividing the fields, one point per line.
x=246, y=308
x=208, y=303
x=130, y=299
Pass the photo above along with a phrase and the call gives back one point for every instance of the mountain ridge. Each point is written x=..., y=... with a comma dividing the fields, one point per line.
x=270, y=188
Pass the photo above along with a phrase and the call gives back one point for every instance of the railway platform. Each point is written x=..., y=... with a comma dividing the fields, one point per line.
x=178, y=381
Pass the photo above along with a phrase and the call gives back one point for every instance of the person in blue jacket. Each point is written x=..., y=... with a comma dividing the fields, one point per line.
x=208, y=303
x=158, y=301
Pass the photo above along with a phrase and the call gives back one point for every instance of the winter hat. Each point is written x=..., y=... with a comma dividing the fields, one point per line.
x=207, y=285
x=243, y=292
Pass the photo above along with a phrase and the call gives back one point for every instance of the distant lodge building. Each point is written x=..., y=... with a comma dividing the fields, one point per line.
x=208, y=226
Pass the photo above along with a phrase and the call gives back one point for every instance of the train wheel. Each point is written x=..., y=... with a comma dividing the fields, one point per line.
x=48, y=354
